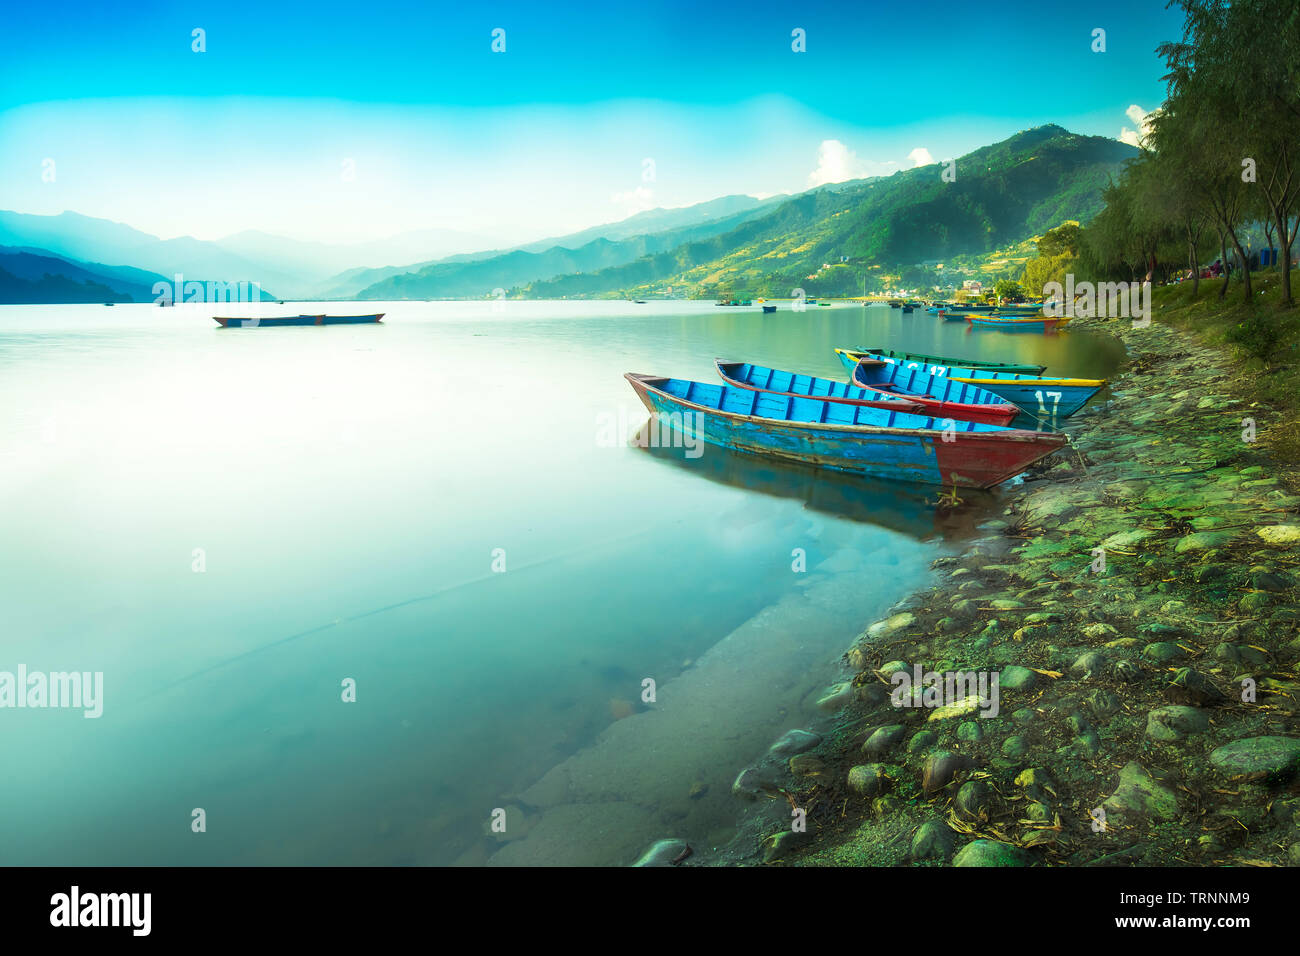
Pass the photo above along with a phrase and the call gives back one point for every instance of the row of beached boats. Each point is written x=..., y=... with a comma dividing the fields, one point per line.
x=900, y=416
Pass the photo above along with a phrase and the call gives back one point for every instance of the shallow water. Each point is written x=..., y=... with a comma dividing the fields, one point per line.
x=346, y=492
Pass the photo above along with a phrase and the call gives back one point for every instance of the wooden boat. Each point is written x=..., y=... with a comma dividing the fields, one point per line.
x=760, y=378
x=907, y=308
x=943, y=398
x=1048, y=400
x=917, y=359
x=1011, y=324
x=227, y=322
x=851, y=438
x=769, y=308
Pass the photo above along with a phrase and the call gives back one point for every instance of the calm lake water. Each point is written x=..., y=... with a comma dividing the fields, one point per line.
x=231, y=523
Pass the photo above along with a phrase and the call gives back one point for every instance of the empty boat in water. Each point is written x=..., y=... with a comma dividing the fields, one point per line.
x=760, y=378
x=941, y=397
x=228, y=322
x=852, y=438
x=1049, y=400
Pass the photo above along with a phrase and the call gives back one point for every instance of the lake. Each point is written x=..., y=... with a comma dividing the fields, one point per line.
x=236, y=526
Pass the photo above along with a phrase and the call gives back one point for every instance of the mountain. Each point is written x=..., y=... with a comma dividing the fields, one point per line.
x=85, y=238
x=825, y=241
x=476, y=276
x=31, y=275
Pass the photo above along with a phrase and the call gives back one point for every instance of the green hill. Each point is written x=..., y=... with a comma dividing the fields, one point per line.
x=826, y=241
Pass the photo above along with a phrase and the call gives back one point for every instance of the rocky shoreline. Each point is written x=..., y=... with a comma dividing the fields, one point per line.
x=1137, y=608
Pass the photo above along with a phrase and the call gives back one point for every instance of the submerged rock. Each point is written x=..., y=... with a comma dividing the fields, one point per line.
x=867, y=779
x=1275, y=756
x=1140, y=794
x=795, y=742
x=1175, y=722
x=664, y=853
x=1279, y=534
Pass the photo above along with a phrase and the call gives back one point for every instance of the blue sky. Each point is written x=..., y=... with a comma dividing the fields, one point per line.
x=351, y=121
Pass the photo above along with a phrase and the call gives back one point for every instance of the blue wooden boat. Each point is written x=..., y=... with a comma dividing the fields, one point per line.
x=851, y=438
x=746, y=375
x=942, y=397
x=1047, y=399
x=1010, y=323
x=769, y=308
x=921, y=359
x=227, y=322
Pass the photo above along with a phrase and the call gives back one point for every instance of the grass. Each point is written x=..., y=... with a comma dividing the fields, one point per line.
x=1265, y=367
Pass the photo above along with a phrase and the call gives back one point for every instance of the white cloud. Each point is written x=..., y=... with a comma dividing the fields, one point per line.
x=836, y=163
x=634, y=200
x=1142, y=120
x=920, y=157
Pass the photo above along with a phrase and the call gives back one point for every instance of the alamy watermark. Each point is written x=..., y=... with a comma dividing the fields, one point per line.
x=663, y=430
x=178, y=290
x=1103, y=300
x=918, y=688
x=62, y=689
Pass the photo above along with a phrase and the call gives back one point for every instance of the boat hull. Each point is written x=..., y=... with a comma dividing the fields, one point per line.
x=943, y=398
x=1047, y=400
x=1016, y=324
x=975, y=457
x=233, y=322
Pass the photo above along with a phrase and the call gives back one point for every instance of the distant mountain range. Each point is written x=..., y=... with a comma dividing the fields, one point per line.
x=827, y=241
x=824, y=240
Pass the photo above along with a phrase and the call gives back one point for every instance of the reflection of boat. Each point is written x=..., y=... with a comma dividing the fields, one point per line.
x=227, y=322
x=852, y=438
x=904, y=509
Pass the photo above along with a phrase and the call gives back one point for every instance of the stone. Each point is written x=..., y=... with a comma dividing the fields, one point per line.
x=835, y=697
x=933, y=840
x=884, y=739
x=1088, y=664
x=1162, y=652
x=891, y=625
x=1017, y=678
x=970, y=731
x=940, y=769
x=1015, y=747
x=1202, y=541
x=973, y=800
x=1276, y=757
x=990, y=853
x=750, y=782
x=1175, y=722
x=923, y=740
x=1279, y=534
x=664, y=853
x=778, y=845
x=806, y=765
x=1140, y=794
x=795, y=742
x=867, y=779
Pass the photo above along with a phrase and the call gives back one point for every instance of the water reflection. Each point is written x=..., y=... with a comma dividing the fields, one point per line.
x=912, y=510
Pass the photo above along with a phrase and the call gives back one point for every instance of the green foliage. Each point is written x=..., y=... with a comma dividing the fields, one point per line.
x=1039, y=272
x=1061, y=241
x=1008, y=290
x=1257, y=336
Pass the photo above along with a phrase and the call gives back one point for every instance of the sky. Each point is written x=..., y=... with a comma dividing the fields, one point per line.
x=348, y=122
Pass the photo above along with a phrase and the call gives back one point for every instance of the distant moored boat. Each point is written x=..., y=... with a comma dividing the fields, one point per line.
x=236, y=322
